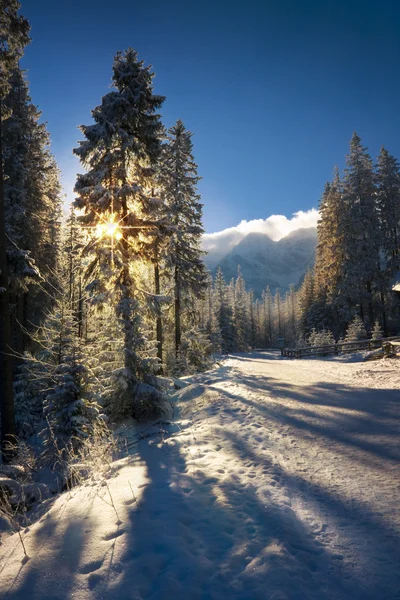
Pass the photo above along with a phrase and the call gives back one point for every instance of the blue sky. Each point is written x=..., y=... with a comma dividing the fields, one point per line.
x=271, y=89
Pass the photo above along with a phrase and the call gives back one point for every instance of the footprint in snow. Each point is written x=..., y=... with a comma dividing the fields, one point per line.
x=129, y=501
x=210, y=480
x=94, y=579
x=111, y=536
x=90, y=567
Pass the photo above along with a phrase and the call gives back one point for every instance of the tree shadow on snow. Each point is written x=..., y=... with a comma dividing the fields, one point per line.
x=46, y=575
x=353, y=417
x=201, y=538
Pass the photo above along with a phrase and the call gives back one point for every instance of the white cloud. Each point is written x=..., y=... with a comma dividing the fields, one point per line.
x=275, y=226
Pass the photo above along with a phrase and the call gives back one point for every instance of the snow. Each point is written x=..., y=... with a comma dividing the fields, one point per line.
x=266, y=262
x=277, y=480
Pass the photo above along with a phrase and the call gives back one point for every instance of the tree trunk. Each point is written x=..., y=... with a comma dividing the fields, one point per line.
x=278, y=308
x=361, y=312
x=370, y=305
x=159, y=320
x=269, y=322
x=265, y=323
x=384, y=319
x=127, y=319
x=6, y=379
x=80, y=308
x=19, y=333
x=177, y=314
x=125, y=308
x=252, y=323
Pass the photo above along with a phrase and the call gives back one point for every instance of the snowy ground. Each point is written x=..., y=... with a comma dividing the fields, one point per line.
x=278, y=480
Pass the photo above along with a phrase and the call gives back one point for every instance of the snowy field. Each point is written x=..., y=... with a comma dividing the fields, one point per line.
x=278, y=480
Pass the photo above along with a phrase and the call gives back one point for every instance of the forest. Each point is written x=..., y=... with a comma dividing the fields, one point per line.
x=100, y=308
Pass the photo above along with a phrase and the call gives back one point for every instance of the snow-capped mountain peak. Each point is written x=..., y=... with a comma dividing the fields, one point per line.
x=266, y=262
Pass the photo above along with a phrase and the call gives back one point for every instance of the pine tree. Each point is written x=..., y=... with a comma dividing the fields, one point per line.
x=252, y=319
x=377, y=333
x=241, y=317
x=224, y=313
x=306, y=300
x=278, y=312
x=331, y=307
x=267, y=310
x=14, y=36
x=74, y=243
x=33, y=208
x=361, y=243
x=17, y=151
x=321, y=338
x=211, y=325
x=388, y=205
x=179, y=179
x=115, y=195
x=388, y=200
x=291, y=310
x=70, y=412
x=329, y=256
x=356, y=331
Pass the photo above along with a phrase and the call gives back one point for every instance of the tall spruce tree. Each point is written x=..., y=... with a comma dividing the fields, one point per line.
x=388, y=200
x=33, y=209
x=278, y=312
x=330, y=305
x=267, y=316
x=306, y=299
x=388, y=206
x=241, y=317
x=360, y=239
x=14, y=36
x=179, y=179
x=119, y=152
x=224, y=313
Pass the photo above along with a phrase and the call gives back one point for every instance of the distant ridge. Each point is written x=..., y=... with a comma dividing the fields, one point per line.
x=265, y=262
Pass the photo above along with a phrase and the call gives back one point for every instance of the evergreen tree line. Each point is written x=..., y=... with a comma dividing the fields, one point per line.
x=358, y=250
x=96, y=310
x=235, y=321
x=30, y=211
x=348, y=295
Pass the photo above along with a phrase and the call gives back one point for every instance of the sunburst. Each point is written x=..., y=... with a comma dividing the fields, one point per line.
x=110, y=227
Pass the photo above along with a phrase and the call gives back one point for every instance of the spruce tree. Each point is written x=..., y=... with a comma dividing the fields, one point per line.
x=267, y=312
x=33, y=209
x=331, y=305
x=388, y=200
x=119, y=152
x=377, y=333
x=388, y=206
x=68, y=408
x=361, y=242
x=179, y=179
x=291, y=303
x=224, y=313
x=306, y=299
x=278, y=312
x=356, y=330
x=241, y=317
x=211, y=325
x=14, y=36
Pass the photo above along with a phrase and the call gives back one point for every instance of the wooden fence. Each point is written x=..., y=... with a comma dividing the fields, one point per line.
x=337, y=348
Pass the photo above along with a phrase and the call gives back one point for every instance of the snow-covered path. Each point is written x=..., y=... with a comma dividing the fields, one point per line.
x=279, y=481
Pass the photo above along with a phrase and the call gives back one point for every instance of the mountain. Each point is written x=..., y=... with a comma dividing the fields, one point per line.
x=265, y=262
